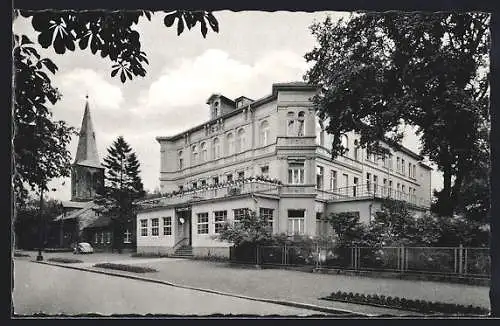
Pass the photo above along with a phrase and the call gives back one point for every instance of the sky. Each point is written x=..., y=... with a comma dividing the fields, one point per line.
x=252, y=51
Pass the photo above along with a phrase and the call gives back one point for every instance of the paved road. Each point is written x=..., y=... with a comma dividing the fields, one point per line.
x=57, y=290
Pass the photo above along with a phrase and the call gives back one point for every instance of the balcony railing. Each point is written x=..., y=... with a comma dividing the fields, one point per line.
x=212, y=192
x=375, y=191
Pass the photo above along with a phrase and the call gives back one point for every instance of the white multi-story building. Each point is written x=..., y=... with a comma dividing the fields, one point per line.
x=272, y=156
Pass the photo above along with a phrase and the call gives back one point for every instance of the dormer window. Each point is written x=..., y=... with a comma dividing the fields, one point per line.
x=216, y=109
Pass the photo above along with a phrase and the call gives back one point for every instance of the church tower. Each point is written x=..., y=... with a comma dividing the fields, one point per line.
x=87, y=173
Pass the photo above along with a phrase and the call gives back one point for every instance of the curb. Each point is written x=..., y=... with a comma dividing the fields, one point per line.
x=274, y=301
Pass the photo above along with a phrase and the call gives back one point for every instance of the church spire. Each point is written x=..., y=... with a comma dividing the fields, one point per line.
x=86, y=153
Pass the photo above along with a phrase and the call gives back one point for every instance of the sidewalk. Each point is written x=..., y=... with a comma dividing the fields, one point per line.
x=294, y=286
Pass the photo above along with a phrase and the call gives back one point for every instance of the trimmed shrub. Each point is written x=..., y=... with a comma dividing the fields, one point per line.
x=65, y=260
x=126, y=268
x=20, y=254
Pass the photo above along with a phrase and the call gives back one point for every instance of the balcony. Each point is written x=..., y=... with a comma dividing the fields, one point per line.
x=365, y=191
x=235, y=188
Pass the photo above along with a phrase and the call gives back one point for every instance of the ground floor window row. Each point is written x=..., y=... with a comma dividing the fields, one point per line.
x=104, y=237
x=155, y=226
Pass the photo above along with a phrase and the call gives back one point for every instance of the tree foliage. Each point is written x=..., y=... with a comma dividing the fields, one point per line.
x=376, y=71
x=123, y=185
x=40, y=143
x=110, y=34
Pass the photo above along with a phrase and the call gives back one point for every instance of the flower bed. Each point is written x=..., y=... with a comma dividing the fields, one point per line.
x=421, y=306
x=65, y=260
x=126, y=268
x=20, y=254
x=58, y=250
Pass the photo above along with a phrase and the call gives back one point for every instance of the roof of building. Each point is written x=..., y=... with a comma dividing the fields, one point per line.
x=74, y=204
x=85, y=211
x=425, y=165
x=222, y=97
x=242, y=98
x=101, y=221
x=86, y=153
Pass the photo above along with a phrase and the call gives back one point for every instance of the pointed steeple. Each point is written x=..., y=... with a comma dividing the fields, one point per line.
x=86, y=153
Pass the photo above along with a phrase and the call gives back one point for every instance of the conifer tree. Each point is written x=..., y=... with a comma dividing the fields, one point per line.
x=123, y=186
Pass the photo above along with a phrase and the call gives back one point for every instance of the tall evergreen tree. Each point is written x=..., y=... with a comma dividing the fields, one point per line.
x=123, y=186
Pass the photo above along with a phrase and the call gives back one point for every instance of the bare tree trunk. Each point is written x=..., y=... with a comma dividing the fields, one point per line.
x=40, y=227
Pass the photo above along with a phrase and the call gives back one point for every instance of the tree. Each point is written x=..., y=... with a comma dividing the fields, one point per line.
x=347, y=227
x=39, y=143
x=27, y=222
x=376, y=71
x=123, y=186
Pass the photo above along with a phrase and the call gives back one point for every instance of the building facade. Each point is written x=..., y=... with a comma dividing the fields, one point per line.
x=272, y=156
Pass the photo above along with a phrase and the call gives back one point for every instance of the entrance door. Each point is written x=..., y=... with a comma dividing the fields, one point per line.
x=189, y=225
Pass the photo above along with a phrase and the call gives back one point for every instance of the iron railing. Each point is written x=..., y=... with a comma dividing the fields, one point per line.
x=376, y=191
x=457, y=261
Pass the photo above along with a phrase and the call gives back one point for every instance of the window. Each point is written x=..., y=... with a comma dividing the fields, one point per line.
x=220, y=218
x=216, y=109
x=195, y=185
x=409, y=170
x=398, y=191
x=403, y=166
x=144, y=228
x=398, y=164
x=240, y=142
x=96, y=238
x=403, y=192
x=301, y=130
x=264, y=170
x=320, y=132
x=241, y=175
x=414, y=171
x=346, y=183
x=290, y=130
x=202, y=223
x=345, y=143
x=267, y=213
x=102, y=237
x=390, y=188
x=295, y=173
x=194, y=152
x=181, y=161
x=368, y=181
x=319, y=177
x=230, y=144
x=356, y=150
x=108, y=237
x=215, y=180
x=384, y=189
x=390, y=162
x=216, y=149
x=167, y=225
x=333, y=180
x=127, y=237
x=181, y=188
x=238, y=214
x=203, y=147
x=229, y=178
x=367, y=154
x=155, y=227
x=264, y=133
x=296, y=218
x=203, y=183
x=375, y=183
x=355, y=187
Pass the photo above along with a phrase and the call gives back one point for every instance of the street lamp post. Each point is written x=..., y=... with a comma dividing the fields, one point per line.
x=40, y=245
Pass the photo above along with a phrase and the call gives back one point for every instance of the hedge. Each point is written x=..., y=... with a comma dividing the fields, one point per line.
x=65, y=260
